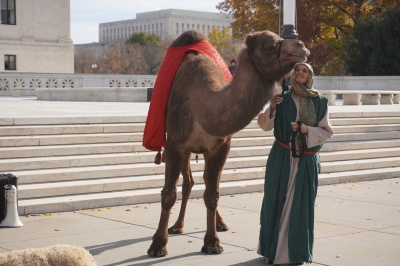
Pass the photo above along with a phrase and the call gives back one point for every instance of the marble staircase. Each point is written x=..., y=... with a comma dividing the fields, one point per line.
x=78, y=165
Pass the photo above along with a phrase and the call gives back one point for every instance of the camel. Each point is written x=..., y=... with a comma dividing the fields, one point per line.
x=203, y=114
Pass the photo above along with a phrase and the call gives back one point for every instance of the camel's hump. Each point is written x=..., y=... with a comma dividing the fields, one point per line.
x=188, y=37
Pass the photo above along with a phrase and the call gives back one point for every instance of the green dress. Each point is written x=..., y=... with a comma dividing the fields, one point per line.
x=301, y=225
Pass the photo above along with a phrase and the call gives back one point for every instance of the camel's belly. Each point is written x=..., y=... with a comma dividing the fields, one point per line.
x=200, y=141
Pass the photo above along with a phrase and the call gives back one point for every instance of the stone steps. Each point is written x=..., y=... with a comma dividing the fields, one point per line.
x=70, y=163
x=61, y=162
x=136, y=196
x=234, y=170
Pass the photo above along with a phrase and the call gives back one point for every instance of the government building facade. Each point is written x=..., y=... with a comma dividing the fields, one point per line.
x=35, y=36
x=168, y=23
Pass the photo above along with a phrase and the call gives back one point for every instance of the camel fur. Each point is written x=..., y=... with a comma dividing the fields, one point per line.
x=58, y=255
x=204, y=112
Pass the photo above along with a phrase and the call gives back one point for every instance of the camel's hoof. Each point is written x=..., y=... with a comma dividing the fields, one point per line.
x=157, y=252
x=212, y=250
x=222, y=228
x=175, y=231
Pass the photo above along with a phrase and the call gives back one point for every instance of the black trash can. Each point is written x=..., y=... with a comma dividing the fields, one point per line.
x=149, y=93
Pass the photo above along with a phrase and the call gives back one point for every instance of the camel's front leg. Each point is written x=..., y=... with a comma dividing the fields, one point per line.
x=187, y=185
x=214, y=164
x=173, y=166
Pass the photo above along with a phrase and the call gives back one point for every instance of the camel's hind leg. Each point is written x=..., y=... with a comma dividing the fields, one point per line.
x=214, y=164
x=173, y=165
x=187, y=185
x=221, y=225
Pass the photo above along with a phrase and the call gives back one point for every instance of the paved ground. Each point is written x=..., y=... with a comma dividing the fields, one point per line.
x=356, y=224
x=18, y=107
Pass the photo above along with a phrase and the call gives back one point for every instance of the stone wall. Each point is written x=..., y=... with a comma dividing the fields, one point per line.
x=24, y=84
x=357, y=83
x=40, y=38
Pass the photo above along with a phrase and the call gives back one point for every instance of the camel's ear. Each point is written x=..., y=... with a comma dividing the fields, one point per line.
x=251, y=42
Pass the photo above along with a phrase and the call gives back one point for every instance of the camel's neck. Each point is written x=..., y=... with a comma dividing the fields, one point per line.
x=240, y=101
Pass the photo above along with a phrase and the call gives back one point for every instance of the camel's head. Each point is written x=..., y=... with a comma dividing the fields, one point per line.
x=274, y=56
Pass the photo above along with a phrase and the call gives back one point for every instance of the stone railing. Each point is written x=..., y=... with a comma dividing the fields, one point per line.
x=364, y=97
x=25, y=84
x=54, y=85
x=358, y=83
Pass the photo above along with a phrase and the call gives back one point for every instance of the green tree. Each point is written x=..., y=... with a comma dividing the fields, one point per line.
x=145, y=39
x=373, y=47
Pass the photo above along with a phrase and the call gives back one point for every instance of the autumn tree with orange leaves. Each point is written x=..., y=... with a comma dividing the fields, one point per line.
x=322, y=25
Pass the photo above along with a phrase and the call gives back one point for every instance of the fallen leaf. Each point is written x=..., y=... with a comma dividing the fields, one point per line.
x=56, y=229
x=190, y=241
x=338, y=256
x=48, y=214
x=128, y=210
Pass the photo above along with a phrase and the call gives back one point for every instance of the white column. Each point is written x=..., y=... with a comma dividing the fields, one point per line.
x=289, y=15
x=289, y=19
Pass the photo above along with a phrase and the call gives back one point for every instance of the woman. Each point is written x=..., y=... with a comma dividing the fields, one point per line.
x=291, y=180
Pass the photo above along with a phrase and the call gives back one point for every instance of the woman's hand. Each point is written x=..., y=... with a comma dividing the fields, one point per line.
x=303, y=129
x=276, y=100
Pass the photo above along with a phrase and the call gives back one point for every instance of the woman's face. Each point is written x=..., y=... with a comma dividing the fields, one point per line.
x=301, y=73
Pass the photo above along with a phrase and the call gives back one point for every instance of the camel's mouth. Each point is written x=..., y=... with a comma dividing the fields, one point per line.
x=302, y=55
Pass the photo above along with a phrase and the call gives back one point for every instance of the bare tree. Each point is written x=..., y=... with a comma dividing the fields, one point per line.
x=121, y=58
x=85, y=57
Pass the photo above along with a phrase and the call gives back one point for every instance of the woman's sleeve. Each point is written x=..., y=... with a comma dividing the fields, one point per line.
x=320, y=133
x=266, y=119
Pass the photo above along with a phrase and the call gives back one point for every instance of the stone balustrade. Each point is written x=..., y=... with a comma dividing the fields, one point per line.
x=25, y=84
x=364, y=97
x=355, y=90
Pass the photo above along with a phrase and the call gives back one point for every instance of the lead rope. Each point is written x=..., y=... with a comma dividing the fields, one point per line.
x=302, y=141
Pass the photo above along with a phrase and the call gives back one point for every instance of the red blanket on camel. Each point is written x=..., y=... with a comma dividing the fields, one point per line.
x=154, y=136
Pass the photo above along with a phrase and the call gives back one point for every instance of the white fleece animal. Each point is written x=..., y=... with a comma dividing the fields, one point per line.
x=58, y=255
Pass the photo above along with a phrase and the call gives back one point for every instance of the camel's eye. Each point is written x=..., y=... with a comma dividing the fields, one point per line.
x=272, y=47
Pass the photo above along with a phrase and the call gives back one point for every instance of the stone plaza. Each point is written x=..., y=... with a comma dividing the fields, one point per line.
x=357, y=221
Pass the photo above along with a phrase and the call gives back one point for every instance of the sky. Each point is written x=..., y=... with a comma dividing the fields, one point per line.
x=87, y=14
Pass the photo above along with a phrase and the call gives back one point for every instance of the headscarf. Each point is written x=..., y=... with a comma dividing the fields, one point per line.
x=306, y=92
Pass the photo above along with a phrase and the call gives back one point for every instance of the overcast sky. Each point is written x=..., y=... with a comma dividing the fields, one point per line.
x=87, y=14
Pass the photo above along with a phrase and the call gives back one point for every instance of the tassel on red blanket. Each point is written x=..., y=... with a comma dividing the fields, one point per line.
x=157, y=159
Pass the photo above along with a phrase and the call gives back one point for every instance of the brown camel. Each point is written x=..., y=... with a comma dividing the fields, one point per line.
x=204, y=112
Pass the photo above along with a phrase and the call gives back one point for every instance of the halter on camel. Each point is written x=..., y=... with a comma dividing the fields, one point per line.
x=284, y=85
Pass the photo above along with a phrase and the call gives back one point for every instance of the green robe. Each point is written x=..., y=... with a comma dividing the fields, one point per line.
x=301, y=228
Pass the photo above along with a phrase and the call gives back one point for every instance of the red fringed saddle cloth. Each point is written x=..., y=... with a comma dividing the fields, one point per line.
x=154, y=136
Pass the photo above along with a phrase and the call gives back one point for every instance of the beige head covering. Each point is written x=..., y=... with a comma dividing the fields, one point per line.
x=306, y=92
